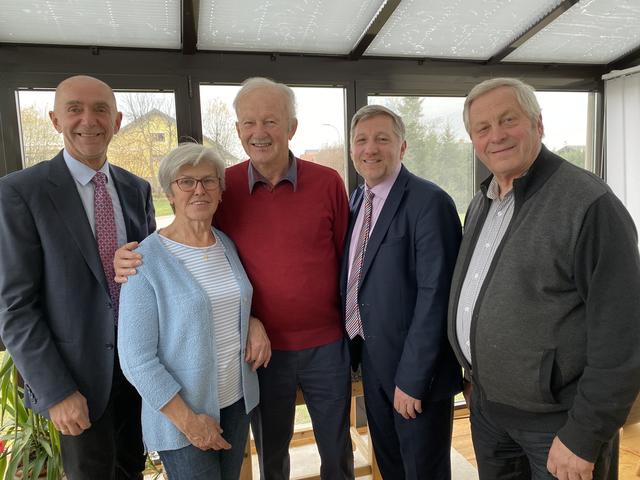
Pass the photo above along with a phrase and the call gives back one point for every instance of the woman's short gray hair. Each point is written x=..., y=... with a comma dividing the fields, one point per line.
x=370, y=111
x=254, y=83
x=525, y=94
x=190, y=154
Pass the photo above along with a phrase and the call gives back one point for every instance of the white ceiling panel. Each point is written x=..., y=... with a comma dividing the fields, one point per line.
x=457, y=29
x=592, y=31
x=108, y=23
x=309, y=26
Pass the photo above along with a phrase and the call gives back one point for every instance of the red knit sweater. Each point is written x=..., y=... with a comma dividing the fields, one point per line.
x=290, y=244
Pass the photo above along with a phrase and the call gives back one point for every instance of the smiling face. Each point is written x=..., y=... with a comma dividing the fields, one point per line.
x=376, y=150
x=503, y=135
x=86, y=115
x=201, y=204
x=264, y=127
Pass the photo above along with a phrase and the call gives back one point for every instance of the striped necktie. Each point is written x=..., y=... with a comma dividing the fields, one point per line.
x=353, y=320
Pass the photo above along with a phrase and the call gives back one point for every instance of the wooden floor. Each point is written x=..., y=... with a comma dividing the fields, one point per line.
x=629, y=446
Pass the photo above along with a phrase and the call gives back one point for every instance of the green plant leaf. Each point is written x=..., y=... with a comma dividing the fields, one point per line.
x=3, y=465
x=54, y=468
x=12, y=467
x=46, y=446
x=31, y=441
x=36, y=470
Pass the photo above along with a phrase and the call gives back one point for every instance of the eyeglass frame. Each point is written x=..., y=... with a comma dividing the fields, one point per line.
x=200, y=181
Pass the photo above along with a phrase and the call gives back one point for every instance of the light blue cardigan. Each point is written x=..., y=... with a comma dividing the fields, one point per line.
x=166, y=340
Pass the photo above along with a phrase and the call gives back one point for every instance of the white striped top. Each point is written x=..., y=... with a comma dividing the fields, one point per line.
x=211, y=269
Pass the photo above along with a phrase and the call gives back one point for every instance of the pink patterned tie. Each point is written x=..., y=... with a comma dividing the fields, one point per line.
x=353, y=320
x=106, y=235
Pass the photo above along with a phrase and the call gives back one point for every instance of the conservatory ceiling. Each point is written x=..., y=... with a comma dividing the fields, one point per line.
x=595, y=32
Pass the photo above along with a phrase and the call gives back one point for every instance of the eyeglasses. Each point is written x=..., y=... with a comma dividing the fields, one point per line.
x=188, y=184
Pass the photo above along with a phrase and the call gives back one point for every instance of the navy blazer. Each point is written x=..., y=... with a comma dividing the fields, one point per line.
x=56, y=316
x=404, y=288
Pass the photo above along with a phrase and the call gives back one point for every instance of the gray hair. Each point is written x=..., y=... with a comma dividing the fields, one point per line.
x=525, y=94
x=190, y=154
x=370, y=111
x=255, y=83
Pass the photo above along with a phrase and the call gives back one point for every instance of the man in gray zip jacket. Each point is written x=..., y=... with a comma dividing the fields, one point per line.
x=545, y=303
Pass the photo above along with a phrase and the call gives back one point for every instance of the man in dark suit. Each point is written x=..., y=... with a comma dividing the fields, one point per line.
x=401, y=248
x=60, y=222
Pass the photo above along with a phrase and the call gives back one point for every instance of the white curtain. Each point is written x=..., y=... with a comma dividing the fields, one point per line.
x=622, y=109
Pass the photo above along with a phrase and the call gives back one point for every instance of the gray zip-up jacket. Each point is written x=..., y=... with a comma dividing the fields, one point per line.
x=555, y=333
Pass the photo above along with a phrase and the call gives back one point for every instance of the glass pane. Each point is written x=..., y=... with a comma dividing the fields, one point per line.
x=321, y=124
x=148, y=132
x=114, y=23
x=475, y=29
x=565, y=119
x=326, y=26
x=438, y=147
x=40, y=141
x=589, y=32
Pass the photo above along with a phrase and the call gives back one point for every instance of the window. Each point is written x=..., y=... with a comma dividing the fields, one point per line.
x=566, y=119
x=148, y=132
x=321, y=124
x=40, y=141
x=438, y=147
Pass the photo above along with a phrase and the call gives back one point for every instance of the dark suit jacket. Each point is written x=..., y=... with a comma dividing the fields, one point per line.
x=56, y=316
x=404, y=288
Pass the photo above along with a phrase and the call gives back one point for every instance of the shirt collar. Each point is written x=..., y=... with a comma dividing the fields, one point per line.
x=493, y=189
x=381, y=190
x=83, y=173
x=292, y=174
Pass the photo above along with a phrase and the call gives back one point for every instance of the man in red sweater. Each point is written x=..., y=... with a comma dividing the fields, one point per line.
x=288, y=218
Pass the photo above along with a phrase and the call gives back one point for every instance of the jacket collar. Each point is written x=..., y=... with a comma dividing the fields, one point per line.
x=545, y=165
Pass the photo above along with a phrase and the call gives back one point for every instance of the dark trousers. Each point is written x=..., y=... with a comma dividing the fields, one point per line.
x=191, y=463
x=111, y=449
x=505, y=453
x=418, y=448
x=324, y=377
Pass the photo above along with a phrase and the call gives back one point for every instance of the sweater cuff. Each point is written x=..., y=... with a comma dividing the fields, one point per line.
x=581, y=442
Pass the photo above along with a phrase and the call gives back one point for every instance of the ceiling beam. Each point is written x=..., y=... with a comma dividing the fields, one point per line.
x=189, y=26
x=374, y=28
x=543, y=22
x=628, y=60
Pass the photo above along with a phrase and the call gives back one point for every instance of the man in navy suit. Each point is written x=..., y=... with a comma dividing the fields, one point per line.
x=401, y=249
x=58, y=301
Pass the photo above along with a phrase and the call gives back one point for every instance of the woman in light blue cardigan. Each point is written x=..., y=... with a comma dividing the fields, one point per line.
x=183, y=327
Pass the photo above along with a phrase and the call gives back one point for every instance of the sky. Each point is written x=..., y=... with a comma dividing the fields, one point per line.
x=321, y=113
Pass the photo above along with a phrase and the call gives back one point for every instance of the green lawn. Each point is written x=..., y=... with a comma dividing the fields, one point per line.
x=162, y=206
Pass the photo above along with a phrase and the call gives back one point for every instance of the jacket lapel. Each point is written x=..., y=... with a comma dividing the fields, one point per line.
x=64, y=196
x=384, y=220
x=128, y=196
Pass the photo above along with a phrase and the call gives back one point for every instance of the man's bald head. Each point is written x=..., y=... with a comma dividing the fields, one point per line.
x=85, y=113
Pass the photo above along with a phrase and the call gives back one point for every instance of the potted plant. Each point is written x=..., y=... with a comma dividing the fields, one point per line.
x=30, y=442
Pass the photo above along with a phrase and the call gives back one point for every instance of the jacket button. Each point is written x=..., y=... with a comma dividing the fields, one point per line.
x=109, y=346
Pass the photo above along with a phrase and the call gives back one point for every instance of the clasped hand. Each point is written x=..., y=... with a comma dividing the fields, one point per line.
x=204, y=433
